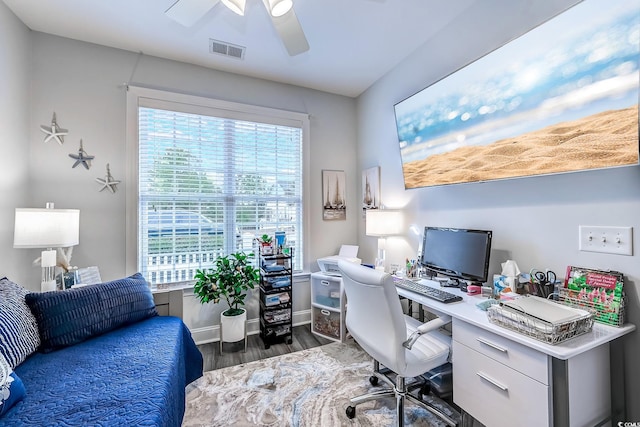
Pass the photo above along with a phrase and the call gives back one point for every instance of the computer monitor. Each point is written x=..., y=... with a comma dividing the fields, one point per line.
x=459, y=254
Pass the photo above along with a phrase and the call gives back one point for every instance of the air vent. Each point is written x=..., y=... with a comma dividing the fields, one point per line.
x=227, y=49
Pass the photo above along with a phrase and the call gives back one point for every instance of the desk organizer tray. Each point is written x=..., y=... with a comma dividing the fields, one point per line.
x=541, y=319
x=608, y=313
x=600, y=290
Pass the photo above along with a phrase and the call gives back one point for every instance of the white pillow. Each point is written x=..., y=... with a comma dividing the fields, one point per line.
x=19, y=335
x=11, y=387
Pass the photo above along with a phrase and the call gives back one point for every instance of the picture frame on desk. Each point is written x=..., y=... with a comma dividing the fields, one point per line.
x=78, y=277
x=89, y=275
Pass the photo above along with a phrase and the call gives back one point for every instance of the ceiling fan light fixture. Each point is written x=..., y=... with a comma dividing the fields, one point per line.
x=279, y=7
x=236, y=6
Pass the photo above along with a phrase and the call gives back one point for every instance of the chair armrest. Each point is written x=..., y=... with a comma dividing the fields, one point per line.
x=431, y=325
x=434, y=324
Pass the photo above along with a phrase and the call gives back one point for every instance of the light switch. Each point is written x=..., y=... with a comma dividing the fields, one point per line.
x=610, y=240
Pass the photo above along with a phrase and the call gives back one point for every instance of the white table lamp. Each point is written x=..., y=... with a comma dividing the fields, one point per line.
x=46, y=228
x=382, y=223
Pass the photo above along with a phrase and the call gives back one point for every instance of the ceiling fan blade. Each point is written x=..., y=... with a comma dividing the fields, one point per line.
x=290, y=31
x=188, y=12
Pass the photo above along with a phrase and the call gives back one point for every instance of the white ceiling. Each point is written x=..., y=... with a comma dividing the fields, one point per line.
x=352, y=42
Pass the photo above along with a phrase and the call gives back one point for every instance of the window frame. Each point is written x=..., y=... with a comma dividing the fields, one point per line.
x=140, y=96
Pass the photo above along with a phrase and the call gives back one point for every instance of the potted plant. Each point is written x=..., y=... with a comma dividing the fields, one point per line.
x=265, y=241
x=230, y=280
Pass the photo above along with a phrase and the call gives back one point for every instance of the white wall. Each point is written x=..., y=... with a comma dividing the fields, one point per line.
x=15, y=57
x=534, y=220
x=83, y=84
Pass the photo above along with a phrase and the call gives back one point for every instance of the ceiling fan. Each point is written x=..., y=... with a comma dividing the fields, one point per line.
x=285, y=21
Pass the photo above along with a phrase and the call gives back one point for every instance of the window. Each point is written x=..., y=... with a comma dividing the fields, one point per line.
x=211, y=177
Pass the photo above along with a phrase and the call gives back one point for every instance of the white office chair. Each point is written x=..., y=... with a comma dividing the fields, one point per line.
x=400, y=343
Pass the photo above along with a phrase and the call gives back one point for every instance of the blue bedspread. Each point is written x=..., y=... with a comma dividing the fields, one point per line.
x=132, y=376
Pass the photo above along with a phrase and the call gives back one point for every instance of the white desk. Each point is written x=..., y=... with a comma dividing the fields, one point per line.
x=503, y=378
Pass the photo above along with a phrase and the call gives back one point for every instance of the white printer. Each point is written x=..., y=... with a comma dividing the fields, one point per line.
x=329, y=265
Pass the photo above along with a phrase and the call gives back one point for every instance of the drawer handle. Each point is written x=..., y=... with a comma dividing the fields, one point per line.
x=492, y=345
x=325, y=312
x=492, y=381
x=325, y=282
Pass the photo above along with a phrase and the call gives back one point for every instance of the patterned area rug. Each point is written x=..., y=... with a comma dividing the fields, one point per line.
x=306, y=388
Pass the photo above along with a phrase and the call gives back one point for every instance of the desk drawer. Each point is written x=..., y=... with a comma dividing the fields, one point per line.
x=517, y=356
x=327, y=323
x=326, y=291
x=495, y=394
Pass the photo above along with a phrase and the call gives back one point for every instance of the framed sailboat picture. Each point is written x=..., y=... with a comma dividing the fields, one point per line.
x=334, y=206
x=370, y=189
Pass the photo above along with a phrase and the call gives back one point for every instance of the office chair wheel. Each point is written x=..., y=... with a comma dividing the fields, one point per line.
x=425, y=389
x=373, y=380
x=351, y=412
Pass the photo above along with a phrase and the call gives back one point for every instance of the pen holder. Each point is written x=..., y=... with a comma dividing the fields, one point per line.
x=412, y=269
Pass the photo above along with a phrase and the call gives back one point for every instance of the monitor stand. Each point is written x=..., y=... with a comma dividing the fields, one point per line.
x=429, y=275
x=463, y=285
x=452, y=282
x=449, y=282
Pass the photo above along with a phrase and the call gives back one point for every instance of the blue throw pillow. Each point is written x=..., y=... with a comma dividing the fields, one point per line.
x=11, y=387
x=18, y=328
x=68, y=317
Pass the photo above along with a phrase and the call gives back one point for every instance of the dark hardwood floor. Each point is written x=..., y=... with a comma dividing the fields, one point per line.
x=233, y=353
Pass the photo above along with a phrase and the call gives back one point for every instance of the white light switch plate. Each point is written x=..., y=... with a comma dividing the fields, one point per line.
x=609, y=240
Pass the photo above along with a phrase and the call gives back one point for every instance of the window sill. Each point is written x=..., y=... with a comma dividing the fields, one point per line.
x=168, y=287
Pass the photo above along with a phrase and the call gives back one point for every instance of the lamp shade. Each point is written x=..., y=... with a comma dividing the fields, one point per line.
x=46, y=228
x=280, y=7
x=383, y=222
x=235, y=5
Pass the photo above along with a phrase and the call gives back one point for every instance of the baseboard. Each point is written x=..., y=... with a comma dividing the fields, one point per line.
x=212, y=333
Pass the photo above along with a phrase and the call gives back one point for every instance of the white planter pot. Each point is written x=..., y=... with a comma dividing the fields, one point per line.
x=233, y=328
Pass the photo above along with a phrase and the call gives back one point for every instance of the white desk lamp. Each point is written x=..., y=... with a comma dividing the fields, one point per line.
x=46, y=228
x=382, y=223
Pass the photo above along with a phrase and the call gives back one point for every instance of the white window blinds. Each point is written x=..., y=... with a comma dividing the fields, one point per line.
x=209, y=183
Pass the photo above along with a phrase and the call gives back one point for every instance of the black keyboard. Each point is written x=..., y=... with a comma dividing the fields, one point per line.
x=427, y=291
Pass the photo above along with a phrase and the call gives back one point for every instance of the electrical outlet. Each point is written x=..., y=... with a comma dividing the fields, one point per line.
x=609, y=240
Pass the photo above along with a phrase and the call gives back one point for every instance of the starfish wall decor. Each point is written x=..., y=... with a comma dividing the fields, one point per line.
x=82, y=158
x=54, y=132
x=108, y=182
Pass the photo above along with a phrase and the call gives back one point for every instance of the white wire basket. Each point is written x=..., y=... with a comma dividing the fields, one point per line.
x=539, y=329
x=612, y=313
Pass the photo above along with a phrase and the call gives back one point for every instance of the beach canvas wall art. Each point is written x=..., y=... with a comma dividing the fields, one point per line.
x=561, y=98
x=334, y=205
